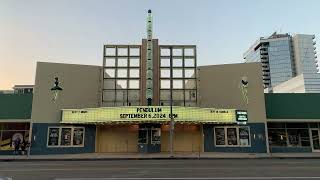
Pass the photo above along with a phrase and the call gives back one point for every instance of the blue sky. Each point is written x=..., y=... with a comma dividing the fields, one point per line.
x=74, y=31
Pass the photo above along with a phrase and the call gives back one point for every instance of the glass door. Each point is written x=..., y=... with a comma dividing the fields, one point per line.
x=315, y=140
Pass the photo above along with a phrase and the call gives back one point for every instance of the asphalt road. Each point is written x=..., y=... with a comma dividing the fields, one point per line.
x=216, y=169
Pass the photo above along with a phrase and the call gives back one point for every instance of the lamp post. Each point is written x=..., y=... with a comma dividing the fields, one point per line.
x=171, y=102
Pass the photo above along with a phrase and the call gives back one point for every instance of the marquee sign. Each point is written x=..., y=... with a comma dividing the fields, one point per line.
x=148, y=114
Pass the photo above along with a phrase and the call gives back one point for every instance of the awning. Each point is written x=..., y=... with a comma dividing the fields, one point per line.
x=148, y=114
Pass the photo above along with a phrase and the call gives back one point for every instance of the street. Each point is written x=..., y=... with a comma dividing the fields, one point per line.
x=216, y=169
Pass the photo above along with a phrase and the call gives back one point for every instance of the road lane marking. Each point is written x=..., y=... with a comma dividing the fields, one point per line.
x=144, y=168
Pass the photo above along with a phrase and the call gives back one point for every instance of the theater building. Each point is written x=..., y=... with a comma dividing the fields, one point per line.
x=126, y=104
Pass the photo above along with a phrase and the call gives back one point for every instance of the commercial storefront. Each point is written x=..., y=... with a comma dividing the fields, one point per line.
x=15, y=117
x=293, y=122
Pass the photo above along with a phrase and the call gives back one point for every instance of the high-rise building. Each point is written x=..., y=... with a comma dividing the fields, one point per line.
x=283, y=57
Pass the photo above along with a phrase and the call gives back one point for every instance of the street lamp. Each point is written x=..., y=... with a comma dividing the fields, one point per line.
x=56, y=89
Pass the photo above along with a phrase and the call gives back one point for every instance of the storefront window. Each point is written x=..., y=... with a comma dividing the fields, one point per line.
x=277, y=137
x=289, y=134
x=155, y=136
x=232, y=136
x=298, y=137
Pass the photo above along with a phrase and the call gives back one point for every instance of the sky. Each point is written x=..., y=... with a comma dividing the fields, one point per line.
x=74, y=31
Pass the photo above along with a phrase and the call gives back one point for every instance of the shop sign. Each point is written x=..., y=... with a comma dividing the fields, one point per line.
x=148, y=113
x=241, y=116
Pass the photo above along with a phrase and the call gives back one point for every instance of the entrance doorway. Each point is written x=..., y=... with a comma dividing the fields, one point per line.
x=315, y=140
x=149, y=138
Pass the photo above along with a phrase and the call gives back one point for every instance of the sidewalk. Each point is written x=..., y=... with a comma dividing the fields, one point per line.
x=135, y=156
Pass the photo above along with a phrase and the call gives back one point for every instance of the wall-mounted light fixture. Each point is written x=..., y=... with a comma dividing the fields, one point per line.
x=56, y=89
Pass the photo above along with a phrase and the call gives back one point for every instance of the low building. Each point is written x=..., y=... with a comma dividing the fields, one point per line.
x=293, y=122
x=23, y=89
x=15, y=118
x=303, y=83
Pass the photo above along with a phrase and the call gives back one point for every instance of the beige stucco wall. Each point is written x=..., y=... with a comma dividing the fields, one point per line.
x=81, y=89
x=219, y=87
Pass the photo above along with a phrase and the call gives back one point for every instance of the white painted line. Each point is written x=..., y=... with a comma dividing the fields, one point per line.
x=200, y=178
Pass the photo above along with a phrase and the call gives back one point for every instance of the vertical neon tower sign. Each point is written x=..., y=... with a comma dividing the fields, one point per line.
x=149, y=83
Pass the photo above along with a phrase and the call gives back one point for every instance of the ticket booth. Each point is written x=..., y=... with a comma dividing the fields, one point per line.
x=149, y=136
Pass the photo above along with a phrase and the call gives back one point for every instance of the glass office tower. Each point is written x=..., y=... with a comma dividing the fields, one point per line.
x=283, y=57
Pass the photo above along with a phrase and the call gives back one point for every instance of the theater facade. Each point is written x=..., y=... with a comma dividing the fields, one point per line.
x=104, y=109
x=147, y=98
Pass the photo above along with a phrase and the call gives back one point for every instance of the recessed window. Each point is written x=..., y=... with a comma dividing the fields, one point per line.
x=177, y=73
x=177, y=52
x=134, y=51
x=165, y=84
x=109, y=73
x=177, y=84
x=189, y=73
x=109, y=95
x=110, y=62
x=109, y=84
x=134, y=62
x=122, y=73
x=133, y=95
x=178, y=95
x=190, y=84
x=191, y=95
x=121, y=84
x=165, y=73
x=188, y=62
x=165, y=62
x=165, y=94
x=122, y=62
x=164, y=52
x=134, y=73
x=133, y=84
x=110, y=51
x=188, y=52
x=177, y=62
x=122, y=51
x=121, y=95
